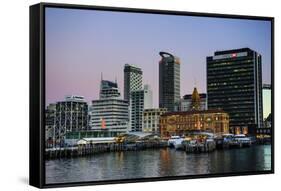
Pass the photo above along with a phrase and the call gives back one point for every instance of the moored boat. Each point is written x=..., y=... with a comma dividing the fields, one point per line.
x=243, y=140
x=176, y=142
x=224, y=141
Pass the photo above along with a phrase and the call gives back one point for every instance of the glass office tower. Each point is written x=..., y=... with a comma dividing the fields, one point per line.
x=169, y=81
x=234, y=84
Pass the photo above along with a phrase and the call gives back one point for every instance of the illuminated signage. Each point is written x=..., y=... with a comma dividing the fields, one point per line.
x=232, y=55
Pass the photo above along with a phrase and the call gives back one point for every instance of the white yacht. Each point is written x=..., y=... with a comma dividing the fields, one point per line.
x=243, y=139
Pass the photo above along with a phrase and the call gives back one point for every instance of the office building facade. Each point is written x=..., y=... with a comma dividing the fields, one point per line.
x=71, y=115
x=151, y=118
x=169, y=81
x=139, y=101
x=132, y=80
x=109, y=115
x=234, y=84
x=108, y=89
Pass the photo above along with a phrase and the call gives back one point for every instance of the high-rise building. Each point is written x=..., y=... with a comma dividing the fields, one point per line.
x=169, y=81
x=266, y=98
x=139, y=101
x=109, y=115
x=193, y=101
x=132, y=80
x=151, y=119
x=108, y=89
x=71, y=115
x=234, y=84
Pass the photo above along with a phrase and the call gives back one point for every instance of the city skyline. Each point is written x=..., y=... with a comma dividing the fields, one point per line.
x=151, y=95
x=75, y=49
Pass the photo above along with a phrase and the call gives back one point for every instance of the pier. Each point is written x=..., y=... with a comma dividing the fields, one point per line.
x=199, y=147
x=92, y=149
x=194, y=143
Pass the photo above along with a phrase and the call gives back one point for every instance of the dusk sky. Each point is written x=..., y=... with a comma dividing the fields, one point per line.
x=80, y=44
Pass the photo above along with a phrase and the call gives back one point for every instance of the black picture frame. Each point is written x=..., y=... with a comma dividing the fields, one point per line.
x=37, y=93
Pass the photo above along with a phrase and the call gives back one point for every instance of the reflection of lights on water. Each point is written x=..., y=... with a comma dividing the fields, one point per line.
x=157, y=163
x=119, y=158
x=165, y=154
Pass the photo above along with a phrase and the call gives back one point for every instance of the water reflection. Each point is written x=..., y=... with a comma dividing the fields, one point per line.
x=156, y=163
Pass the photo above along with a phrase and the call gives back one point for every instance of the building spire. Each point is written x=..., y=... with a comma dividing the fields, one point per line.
x=195, y=101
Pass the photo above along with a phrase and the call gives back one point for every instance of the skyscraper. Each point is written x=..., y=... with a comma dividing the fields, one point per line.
x=139, y=101
x=169, y=81
x=132, y=80
x=234, y=84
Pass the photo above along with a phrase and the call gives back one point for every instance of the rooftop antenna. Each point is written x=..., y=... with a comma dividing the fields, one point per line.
x=115, y=79
x=195, y=81
x=101, y=76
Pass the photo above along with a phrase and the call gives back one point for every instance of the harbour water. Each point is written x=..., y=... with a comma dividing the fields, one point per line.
x=156, y=163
